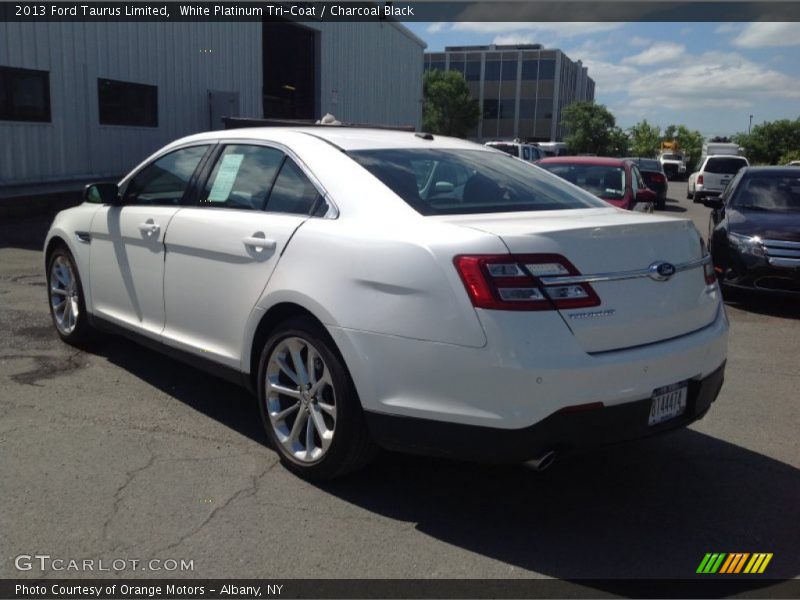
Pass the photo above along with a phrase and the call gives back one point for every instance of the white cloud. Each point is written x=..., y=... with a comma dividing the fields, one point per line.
x=436, y=27
x=711, y=80
x=768, y=34
x=610, y=77
x=639, y=41
x=726, y=28
x=516, y=38
x=564, y=30
x=660, y=52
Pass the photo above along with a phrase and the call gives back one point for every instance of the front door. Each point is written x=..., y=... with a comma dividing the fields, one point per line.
x=127, y=251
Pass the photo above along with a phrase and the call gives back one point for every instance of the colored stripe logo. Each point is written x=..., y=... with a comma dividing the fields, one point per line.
x=734, y=563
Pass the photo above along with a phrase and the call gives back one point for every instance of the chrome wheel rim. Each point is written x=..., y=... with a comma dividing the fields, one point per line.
x=300, y=400
x=64, y=297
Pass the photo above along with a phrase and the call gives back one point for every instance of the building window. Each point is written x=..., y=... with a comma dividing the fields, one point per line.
x=507, y=108
x=492, y=70
x=436, y=65
x=530, y=70
x=509, y=70
x=473, y=71
x=490, y=109
x=124, y=103
x=547, y=69
x=24, y=95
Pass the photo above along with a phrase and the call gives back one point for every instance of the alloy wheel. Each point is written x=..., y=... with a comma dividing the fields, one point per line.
x=300, y=399
x=64, y=295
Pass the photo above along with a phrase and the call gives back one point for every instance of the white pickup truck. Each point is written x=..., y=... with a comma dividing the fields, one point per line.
x=673, y=163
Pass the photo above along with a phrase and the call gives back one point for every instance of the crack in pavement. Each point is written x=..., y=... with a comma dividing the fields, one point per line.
x=129, y=477
x=250, y=490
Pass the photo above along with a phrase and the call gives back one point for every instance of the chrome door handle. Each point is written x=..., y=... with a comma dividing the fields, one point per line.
x=149, y=228
x=260, y=243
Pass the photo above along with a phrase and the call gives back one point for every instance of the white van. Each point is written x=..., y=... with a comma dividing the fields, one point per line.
x=527, y=152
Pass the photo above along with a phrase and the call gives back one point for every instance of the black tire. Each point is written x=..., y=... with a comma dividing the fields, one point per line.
x=351, y=446
x=688, y=193
x=661, y=204
x=81, y=333
x=696, y=198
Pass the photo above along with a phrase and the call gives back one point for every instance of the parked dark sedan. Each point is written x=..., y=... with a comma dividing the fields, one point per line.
x=754, y=230
x=654, y=178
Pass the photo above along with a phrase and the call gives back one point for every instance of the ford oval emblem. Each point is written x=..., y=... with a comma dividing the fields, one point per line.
x=661, y=271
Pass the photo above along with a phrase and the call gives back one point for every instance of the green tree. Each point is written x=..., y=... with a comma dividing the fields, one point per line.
x=645, y=139
x=789, y=157
x=448, y=108
x=619, y=143
x=590, y=128
x=769, y=142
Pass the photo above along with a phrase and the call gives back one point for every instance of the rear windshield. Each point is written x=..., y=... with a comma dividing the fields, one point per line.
x=603, y=181
x=765, y=192
x=649, y=165
x=449, y=182
x=725, y=165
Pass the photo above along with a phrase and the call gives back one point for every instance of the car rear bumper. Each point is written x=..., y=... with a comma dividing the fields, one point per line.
x=519, y=378
x=563, y=432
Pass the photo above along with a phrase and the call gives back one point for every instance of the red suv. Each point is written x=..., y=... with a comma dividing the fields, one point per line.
x=615, y=180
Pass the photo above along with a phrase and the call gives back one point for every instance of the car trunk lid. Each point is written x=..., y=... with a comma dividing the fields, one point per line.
x=616, y=249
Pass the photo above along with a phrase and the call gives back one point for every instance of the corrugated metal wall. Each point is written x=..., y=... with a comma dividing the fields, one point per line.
x=169, y=56
x=371, y=73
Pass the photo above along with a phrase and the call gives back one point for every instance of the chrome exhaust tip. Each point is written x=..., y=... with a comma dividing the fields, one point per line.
x=543, y=462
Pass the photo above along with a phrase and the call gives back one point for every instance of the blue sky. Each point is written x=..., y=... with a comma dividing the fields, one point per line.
x=708, y=76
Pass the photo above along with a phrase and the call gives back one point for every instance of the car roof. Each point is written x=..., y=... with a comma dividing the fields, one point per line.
x=585, y=160
x=345, y=138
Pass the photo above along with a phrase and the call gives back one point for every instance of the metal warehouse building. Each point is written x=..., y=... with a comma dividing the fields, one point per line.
x=82, y=101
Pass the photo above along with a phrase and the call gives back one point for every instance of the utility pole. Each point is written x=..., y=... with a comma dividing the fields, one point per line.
x=750, y=126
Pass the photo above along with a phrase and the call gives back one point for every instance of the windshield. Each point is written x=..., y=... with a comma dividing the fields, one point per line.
x=764, y=192
x=672, y=157
x=725, y=165
x=448, y=182
x=603, y=181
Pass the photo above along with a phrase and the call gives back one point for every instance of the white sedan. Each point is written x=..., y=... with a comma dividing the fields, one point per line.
x=397, y=290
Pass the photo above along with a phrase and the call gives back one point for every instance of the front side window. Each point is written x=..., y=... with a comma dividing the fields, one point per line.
x=24, y=95
x=164, y=182
x=242, y=177
x=124, y=103
x=487, y=182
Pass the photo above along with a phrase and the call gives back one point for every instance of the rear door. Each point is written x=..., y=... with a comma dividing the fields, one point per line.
x=719, y=170
x=222, y=252
x=127, y=248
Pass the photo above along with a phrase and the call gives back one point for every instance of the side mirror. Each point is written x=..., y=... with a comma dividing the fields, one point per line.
x=713, y=201
x=102, y=193
x=645, y=195
x=443, y=187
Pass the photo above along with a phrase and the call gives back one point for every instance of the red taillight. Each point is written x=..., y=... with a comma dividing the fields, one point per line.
x=708, y=268
x=700, y=179
x=514, y=282
x=654, y=178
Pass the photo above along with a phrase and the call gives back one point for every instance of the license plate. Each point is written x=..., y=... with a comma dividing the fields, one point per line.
x=668, y=402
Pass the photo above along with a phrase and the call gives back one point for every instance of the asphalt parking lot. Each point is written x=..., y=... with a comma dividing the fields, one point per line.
x=120, y=453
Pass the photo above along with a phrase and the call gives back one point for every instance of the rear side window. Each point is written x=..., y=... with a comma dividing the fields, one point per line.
x=472, y=181
x=242, y=177
x=507, y=148
x=602, y=181
x=164, y=181
x=725, y=165
x=293, y=192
